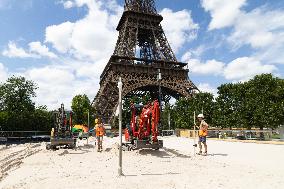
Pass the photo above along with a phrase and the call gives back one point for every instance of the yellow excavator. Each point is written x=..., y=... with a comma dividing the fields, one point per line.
x=61, y=134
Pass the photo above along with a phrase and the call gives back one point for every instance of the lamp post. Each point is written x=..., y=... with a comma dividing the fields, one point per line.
x=194, y=133
x=88, y=126
x=160, y=98
x=120, y=127
x=169, y=120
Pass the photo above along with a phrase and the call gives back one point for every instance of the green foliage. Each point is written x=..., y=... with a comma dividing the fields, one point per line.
x=167, y=113
x=42, y=119
x=229, y=105
x=183, y=114
x=184, y=109
x=16, y=95
x=126, y=111
x=255, y=103
x=258, y=103
x=204, y=102
x=265, y=100
x=4, y=117
x=81, y=105
x=18, y=111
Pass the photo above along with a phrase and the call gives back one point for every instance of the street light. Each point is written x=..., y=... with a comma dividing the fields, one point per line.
x=159, y=80
x=169, y=120
x=160, y=98
x=88, y=127
x=120, y=126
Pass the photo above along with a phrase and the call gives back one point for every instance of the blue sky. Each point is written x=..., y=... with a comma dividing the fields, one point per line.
x=63, y=45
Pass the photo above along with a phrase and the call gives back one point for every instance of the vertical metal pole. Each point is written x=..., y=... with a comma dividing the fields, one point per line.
x=88, y=119
x=160, y=91
x=120, y=127
x=169, y=120
x=194, y=134
x=160, y=98
x=160, y=102
x=88, y=126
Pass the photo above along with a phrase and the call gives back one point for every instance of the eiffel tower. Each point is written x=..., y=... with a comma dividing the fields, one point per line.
x=142, y=52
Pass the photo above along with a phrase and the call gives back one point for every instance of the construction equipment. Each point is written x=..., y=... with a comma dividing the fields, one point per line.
x=61, y=134
x=143, y=131
x=80, y=131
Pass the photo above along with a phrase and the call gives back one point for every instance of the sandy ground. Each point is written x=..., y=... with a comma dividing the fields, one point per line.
x=229, y=165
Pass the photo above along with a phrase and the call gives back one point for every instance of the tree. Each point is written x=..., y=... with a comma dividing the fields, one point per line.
x=16, y=95
x=81, y=106
x=43, y=119
x=265, y=101
x=18, y=111
x=165, y=115
x=184, y=109
x=16, y=104
x=4, y=116
x=204, y=103
x=229, y=105
x=182, y=113
x=255, y=103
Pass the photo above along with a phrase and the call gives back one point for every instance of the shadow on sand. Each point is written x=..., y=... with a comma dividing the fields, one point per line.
x=152, y=174
x=163, y=153
x=217, y=154
x=86, y=146
x=176, y=153
x=78, y=150
x=65, y=152
x=108, y=149
x=157, y=153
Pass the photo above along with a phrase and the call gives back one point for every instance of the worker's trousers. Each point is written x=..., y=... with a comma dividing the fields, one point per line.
x=100, y=142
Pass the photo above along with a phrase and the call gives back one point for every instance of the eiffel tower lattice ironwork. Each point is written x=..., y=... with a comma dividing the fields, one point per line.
x=141, y=50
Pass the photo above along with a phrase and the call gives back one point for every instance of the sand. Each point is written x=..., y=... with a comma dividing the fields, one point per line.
x=229, y=165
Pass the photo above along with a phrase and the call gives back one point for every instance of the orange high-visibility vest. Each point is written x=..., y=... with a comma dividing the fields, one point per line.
x=203, y=129
x=100, y=131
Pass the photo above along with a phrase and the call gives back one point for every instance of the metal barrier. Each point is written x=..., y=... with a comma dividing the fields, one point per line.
x=232, y=134
x=168, y=132
x=24, y=136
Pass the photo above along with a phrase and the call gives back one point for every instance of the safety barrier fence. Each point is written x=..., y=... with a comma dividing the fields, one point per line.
x=168, y=132
x=23, y=136
x=233, y=134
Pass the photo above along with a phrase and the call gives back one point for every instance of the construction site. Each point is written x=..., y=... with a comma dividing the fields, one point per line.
x=227, y=165
x=148, y=126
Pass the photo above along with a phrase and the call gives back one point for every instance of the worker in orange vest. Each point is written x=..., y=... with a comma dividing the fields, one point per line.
x=100, y=131
x=96, y=124
x=202, y=133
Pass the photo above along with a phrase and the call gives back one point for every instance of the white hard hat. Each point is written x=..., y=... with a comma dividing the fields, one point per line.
x=200, y=116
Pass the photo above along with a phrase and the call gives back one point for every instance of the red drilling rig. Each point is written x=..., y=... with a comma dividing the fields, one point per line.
x=143, y=130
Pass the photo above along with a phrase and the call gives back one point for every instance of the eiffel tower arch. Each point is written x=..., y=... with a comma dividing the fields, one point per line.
x=141, y=52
